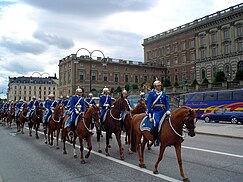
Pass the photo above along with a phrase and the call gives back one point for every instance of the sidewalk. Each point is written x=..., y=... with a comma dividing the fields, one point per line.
x=220, y=129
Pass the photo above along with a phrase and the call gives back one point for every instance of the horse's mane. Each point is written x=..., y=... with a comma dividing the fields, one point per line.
x=57, y=107
x=136, y=110
x=179, y=112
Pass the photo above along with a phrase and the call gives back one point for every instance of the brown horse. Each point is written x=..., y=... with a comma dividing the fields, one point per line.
x=170, y=134
x=22, y=119
x=54, y=124
x=140, y=108
x=10, y=116
x=35, y=120
x=113, y=123
x=84, y=131
x=3, y=115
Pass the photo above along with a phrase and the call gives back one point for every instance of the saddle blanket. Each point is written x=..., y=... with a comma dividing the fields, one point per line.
x=68, y=122
x=146, y=124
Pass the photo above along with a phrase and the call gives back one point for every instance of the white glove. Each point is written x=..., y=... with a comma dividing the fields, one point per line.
x=150, y=117
x=168, y=113
x=76, y=111
x=106, y=105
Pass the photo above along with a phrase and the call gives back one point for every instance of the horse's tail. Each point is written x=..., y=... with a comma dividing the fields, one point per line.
x=133, y=137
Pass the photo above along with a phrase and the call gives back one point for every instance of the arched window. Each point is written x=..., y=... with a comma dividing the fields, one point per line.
x=203, y=73
x=227, y=70
x=214, y=71
x=240, y=65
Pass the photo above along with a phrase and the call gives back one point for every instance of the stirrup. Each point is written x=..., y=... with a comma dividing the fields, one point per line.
x=71, y=134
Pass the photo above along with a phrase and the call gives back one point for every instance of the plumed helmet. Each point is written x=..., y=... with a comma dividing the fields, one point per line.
x=90, y=94
x=142, y=93
x=157, y=82
x=124, y=91
x=39, y=99
x=67, y=96
x=79, y=90
x=34, y=97
x=61, y=97
x=21, y=100
x=105, y=89
x=51, y=95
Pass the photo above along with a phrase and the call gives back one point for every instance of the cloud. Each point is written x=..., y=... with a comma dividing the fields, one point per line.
x=91, y=8
x=23, y=46
x=51, y=39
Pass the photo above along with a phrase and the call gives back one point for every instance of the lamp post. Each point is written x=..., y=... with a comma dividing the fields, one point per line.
x=90, y=63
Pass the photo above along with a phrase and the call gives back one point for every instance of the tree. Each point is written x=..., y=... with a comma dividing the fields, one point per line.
x=194, y=83
x=205, y=81
x=176, y=84
x=127, y=87
x=166, y=83
x=118, y=89
x=219, y=76
x=239, y=75
x=134, y=86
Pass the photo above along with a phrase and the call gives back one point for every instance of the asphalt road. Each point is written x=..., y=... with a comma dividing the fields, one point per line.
x=205, y=158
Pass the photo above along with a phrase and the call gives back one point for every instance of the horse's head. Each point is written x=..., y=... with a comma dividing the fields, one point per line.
x=140, y=108
x=59, y=110
x=122, y=104
x=190, y=121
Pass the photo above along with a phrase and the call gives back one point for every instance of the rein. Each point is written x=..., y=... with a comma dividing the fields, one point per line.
x=182, y=136
x=118, y=119
x=23, y=115
x=89, y=130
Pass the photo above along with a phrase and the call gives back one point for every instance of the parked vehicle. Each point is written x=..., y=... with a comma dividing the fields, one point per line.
x=222, y=114
x=209, y=101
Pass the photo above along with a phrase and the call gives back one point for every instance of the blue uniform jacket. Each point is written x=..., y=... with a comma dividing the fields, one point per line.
x=76, y=100
x=105, y=100
x=90, y=101
x=33, y=103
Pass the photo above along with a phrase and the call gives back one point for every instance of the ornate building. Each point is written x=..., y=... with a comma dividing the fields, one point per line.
x=199, y=49
x=95, y=74
x=27, y=87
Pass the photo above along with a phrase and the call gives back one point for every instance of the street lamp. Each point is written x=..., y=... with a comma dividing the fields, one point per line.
x=90, y=63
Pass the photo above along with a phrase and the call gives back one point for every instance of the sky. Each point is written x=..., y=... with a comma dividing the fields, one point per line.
x=36, y=34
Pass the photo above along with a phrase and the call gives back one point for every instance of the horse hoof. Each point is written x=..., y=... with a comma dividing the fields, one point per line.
x=57, y=147
x=109, y=146
x=82, y=161
x=37, y=137
x=186, y=180
x=45, y=142
x=22, y=132
x=122, y=158
x=87, y=156
x=30, y=135
x=156, y=172
x=122, y=148
x=100, y=151
x=142, y=165
x=75, y=156
x=107, y=154
x=64, y=152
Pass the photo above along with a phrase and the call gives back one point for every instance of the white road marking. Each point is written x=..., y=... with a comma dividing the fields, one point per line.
x=167, y=178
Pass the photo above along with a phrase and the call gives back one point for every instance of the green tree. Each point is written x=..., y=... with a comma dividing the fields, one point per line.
x=194, y=83
x=127, y=87
x=205, y=81
x=239, y=75
x=118, y=89
x=166, y=83
x=219, y=76
x=134, y=86
x=176, y=84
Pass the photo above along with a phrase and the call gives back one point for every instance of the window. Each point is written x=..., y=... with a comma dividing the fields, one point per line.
x=136, y=79
x=192, y=44
x=148, y=55
x=168, y=50
x=145, y=78
x=155, y=53
x=197, y=97
x=116, y=77
x=227, y=70
x=240, y=46
x=192, y=57
x=168, y=62
x=239, y=31
x=213, y=37
x=93, y=76
x=203, y=53
x=214, y=51
x=81, y=75
x=226, y=49
x=202, y=41
x=226, y=34
x=183, y=59
x=175, y=48
x=126, y=78
x=238, y=95
x=203, y=74
x=105, y=76
x=224, y=95
x=210, y=96
x=161, y=51
x=214, y=71
x=183, y=45
x=175, y=60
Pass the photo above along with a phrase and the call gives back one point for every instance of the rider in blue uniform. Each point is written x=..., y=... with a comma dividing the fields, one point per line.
x=32, y=104
x=50, y=104
x=158, y=105
x=20, y=106
x=123, y=112
x=61, y=100
x=89, y=100
x=77, y=106
x=142, y=97
x=105, y=103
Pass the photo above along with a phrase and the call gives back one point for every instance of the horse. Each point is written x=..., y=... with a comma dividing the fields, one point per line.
x=3, y=115
x=84, y=131
x=113, y=123
x=35, y=120
x=54, y=124
x=22, y=119
x=170, y=134
x=10, y=115
x=140, y=108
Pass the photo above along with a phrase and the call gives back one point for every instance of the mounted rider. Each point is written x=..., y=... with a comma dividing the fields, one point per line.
x=77, y=106
x=125, y=96
x=20, y=106
x=32, y=105
x=89, y=100
x=104, y=103
x=61, y=100
x=158, y=105
x=142, y=97
x=50, y=104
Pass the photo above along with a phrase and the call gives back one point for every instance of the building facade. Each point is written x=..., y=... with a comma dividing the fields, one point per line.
x=27, y=87
x=94, y=74
x=199, y=49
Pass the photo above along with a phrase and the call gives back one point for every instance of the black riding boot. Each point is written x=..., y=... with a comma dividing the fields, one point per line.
x=155, y=135
x=72, y=127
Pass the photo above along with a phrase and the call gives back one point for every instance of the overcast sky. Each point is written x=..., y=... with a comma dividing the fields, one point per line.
x=36, y=34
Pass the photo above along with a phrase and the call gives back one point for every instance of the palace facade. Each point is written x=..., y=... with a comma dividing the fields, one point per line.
x=199, y=49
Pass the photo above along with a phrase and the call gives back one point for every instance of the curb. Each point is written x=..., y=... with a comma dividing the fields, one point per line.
x=220, y=135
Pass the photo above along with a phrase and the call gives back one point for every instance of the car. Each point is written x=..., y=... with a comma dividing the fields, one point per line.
x=133, y=99
x=222, y=114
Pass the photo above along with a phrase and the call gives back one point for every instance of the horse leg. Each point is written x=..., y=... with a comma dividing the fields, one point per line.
x=52, y=132
x=161, y=153
x=89, y=147
x=74, y=150
x=30, y=129
x=58, y=132
x=22, y=127
x=118, y=139
x=36, y=130
x=64, y=135
x=108, y=136
x=179, y=160
x=98, y=135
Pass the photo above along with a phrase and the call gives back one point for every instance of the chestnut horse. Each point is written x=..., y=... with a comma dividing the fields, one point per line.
x=3, y=115
x=83, y=131
x=54, y=124
x=10, y=115
x=22, y=119
x=170, y=134
x=113, y=123
x=140, y=108
x=35, y=120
